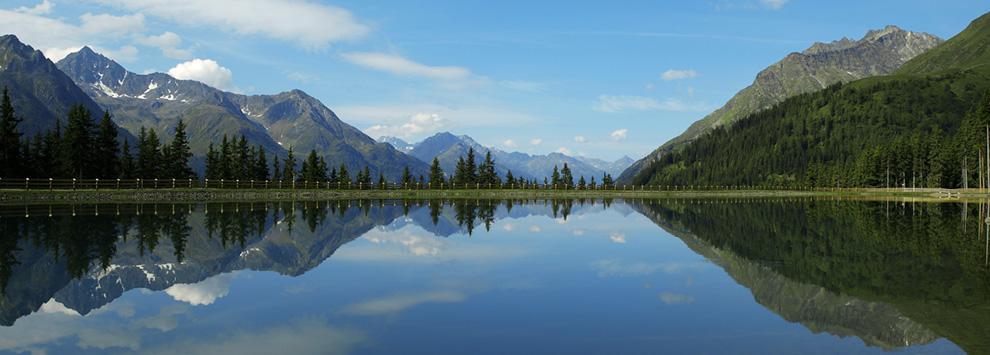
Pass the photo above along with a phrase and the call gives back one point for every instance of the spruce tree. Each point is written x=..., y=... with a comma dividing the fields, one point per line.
x=382, y=184
x=179, y=154
x=460, y=173
x=436, y=174
x=9, y=138
x=108, y=164
x=289, y=168
x=77, y=144
x=593, y=184
x=260, y=164
x=407, y=179
x=566, y=179
x=581, y=183
x=470, y=168
x=225, y=159
x=509, y=179
x=127, y=166
x=486, y=171
x=244, y=159
x=367, y=176
x=276, y=170
x=343, y=176
x=149, y=152
x=212, y=163
x=555, y=177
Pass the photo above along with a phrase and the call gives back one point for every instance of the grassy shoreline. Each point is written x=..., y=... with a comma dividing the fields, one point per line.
x=11, y=196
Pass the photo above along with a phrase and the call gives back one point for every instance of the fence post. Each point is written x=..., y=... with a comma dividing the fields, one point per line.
x=97, y=184
x=190, y=183
x=27, y=182
x=173, y=182
x=156, y=183
x=50, y=184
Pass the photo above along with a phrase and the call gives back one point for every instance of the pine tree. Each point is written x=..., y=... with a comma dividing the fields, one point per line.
x=436, y=174
x=108, y=165
x=343, y=177
x=509, y=178
x=581, y=183
x=289, y=168
x=555, y=177
x=127, y=166
x=225, y=159
x=407, y=179
x=566, y=179
x=77, y=143
x=9, y=138
x=593, y=184
x=366, y=180
x=149, y=154
x=244, y=160
x=460, y=173
x=470, y=168
x=486, y=171
x=179, y=154
x=53, y=149
x=260, y=170
x=382, y=184
x=276, y=170
x=212, y=163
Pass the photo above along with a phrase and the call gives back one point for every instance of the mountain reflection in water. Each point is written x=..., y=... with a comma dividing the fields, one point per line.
x=893, y=275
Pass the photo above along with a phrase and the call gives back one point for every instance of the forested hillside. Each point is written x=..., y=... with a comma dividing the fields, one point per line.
x=918, y=127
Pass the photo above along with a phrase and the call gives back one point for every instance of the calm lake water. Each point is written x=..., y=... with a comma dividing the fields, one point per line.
x=469, y=277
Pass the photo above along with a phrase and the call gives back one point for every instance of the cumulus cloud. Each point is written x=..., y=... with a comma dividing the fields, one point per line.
x=535, y=229
x=398, y=303
x=207, y=71
x=417, y=124
x=57, y=38
x=509, y=143
x=306, y=23
x=674, y=74
x=619, y=134
x=620, y=103
x=580, y=139
x=536, y=141
x=168, y=42
x=564, y=150
x=202, y=293
x=774, y=4
x=398, y=65
x=44, y=8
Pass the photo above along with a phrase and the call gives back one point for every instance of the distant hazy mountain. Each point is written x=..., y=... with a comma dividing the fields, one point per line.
x=880, y=52
x=397, y=143
x=277, y=122
x=39, y=91
x=448, y=148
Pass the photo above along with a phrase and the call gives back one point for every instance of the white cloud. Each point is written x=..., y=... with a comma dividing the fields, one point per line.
x=619, y=268
x=580, y=139
x=397, y=65
x=674, y=74
x=57, y=38
x=202, y=293
x=578, y=232
x=508, y=227
x=774, y=4
x=305, y=23
x=418, y=124
x=398, y=303
x=612, y=104
x=536, y=141
x=619, y=134
x=535, y=229
x=617, y=238
x=509, y=143
x=44, y=8
x=168, y=42
x=564, y=150
x=207, y=71
x=455, y=117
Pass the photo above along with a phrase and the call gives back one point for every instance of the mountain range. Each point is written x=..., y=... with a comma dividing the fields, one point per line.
x=42, y=92
x=448, y=148
x=879, y=52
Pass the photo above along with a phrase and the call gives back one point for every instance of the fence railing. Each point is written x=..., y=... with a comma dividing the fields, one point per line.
x=51, y=184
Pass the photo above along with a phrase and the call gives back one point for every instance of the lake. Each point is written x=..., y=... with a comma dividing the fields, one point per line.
x=484, y=276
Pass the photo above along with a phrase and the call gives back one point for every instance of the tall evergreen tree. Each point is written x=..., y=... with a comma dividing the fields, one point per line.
x=9, y=138
x=127, y=165
x=460, y=173
x=470, y=168
x=289, y=168
x=226, y=159
x=179, y=153
x=212, y=163
x=407, y=179
x=260, y=166
x=77, y=144
x=555, y=177
x=105, y=154
x=244, y=160
x=509, y=178
x=436, y=174
x=149, y=154
x=343, y=177
x=566, y=179
x=486, y=171
x=382, y=184
x=582, y=183
x=276, y=170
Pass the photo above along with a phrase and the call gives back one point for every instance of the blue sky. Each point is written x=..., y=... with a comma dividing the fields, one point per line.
x=602, y=79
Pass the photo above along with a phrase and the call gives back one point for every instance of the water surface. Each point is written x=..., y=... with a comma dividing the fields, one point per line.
x=643, y=276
